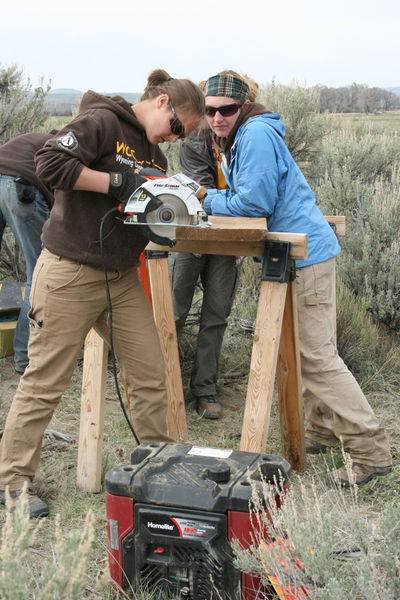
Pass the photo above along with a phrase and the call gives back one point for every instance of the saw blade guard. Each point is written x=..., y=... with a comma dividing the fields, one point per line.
x=163, y=204
x=163, y=220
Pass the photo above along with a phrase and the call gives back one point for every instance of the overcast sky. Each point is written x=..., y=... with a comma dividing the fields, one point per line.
x=111, y=46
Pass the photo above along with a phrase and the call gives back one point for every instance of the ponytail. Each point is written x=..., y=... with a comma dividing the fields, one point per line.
x=183, y=93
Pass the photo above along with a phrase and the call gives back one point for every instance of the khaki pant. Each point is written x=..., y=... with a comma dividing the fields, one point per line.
x=67, y=300
x=335, y=407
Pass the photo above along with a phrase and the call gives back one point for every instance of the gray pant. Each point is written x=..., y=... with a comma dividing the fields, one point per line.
x=26, y=222
x=219, y=278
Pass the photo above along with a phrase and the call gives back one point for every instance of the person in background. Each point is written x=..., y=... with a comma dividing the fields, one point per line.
x=264, y=180
x=25, y=204
x=200, y=159
x=94, y=165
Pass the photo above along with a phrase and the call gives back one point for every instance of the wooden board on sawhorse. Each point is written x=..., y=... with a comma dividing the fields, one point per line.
x=230, y=236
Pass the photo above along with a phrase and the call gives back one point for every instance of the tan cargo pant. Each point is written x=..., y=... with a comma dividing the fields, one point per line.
x=335, y=407
x=67, y=300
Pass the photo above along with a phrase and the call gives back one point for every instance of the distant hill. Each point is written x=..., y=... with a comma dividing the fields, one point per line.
x=395, y=90
x=65, y=101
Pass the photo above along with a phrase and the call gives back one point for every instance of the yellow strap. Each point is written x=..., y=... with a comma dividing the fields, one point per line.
x=221, y=181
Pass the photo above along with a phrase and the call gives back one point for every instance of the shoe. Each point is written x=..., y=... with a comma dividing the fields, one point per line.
x=208, y=407
x=313, y=447
x=37, y=508
x=359, y=475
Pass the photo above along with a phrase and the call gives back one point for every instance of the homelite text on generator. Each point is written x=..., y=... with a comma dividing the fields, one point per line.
x=173, y=512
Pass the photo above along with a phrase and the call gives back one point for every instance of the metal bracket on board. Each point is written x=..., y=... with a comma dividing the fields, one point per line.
x=277, y=265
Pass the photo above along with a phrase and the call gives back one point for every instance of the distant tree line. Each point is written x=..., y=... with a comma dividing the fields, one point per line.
x=24, y=109
x=356, y=98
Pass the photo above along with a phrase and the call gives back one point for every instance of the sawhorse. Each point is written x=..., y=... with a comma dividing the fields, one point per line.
x=275, y=348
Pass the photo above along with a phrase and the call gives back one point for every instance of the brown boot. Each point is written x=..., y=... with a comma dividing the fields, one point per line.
x=208, y=407
x=358, y=475
x=37, y=508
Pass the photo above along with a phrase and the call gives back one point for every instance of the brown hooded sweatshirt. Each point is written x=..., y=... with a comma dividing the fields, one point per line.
x=105, y=136
x=16, y=158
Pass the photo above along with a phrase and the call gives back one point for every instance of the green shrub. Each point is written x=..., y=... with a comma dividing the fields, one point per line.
x=62, y=575
x=348, y=164
x=298, y=108
x=359, y=177
x=343, y=552
x=21, y=109
x=371, y=355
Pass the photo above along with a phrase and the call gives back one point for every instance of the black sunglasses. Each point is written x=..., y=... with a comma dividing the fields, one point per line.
x=175, y=124
x=225, y=111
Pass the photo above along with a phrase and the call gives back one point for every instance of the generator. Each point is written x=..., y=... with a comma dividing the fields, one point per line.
x=173, y=512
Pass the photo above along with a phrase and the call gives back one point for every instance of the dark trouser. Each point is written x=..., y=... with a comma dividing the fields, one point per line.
x=219, y=278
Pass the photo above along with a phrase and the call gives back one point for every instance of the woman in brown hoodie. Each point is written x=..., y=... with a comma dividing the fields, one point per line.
x=93, y=165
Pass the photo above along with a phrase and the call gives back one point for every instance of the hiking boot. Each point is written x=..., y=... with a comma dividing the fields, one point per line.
x=313, y=447
x=208, y=407
x=359, y=475
x=37, y=508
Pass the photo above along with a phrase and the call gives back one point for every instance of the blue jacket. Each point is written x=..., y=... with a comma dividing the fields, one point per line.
x=265, y=181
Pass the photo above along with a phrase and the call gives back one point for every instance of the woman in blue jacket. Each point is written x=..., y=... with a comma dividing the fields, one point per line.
x=264, y=181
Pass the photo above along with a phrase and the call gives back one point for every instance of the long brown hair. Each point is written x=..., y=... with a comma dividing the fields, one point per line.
x=183, y=93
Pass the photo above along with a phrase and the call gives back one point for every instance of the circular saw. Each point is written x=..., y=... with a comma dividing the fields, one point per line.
x=163, y=204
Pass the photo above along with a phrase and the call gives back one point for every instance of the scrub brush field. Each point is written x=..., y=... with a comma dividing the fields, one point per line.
x=347, y=540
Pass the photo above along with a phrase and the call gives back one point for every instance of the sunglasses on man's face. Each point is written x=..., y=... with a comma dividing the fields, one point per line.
x=225, y=111
x=175, y=124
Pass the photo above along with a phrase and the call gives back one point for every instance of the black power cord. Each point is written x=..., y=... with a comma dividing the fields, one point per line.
x=114, y=363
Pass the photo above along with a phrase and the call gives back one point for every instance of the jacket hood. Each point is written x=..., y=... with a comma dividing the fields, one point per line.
x=274, y=121
x=92, y=100
x=252, y=110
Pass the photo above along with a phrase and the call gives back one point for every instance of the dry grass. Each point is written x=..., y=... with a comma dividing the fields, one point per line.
x=56, y=479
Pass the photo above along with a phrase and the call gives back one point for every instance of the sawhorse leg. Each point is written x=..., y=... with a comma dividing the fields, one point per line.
x=260, y=387
x=163, y=310
x=92, y=413
x=275, y=335
x=290, y=387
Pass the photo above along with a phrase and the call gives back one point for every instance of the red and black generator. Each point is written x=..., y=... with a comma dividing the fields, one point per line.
x=173, y=512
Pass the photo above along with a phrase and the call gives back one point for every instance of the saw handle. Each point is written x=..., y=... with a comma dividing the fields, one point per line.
x=117, y=180
x=122, y=185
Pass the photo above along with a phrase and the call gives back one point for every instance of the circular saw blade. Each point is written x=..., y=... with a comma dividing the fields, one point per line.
x=163, y=219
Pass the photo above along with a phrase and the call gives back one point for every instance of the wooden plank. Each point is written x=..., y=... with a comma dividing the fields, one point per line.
x=264, y=358
x=339, y=221
x=298, y=245
x=164, y=318
x=11, y=296
x=226, y=229
x=243, y=236
x=92, y=413
x=259, y=223
x=290, y=387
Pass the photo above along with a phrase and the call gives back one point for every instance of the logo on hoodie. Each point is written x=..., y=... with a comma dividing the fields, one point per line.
x=68, y=141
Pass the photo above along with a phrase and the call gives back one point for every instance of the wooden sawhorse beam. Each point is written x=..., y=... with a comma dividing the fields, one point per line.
x=275, y=348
